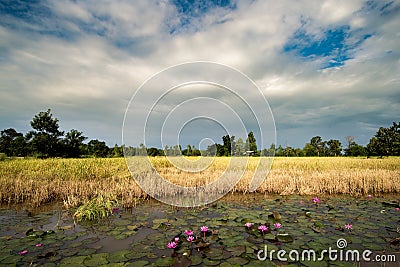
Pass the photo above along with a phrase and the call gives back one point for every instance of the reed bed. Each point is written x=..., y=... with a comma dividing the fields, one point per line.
x=75, y=181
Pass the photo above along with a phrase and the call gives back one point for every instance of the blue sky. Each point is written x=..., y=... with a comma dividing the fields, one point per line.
x=328, y=68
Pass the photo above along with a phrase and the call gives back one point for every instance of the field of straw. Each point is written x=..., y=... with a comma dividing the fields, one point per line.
x=75, y=181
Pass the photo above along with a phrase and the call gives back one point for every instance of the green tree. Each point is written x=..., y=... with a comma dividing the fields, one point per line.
x=386, y=141
x=356, y=150
x=239, y=148
x=319, y=145
x=227, y=145
x=310, y=150
x=73, y=142
x=251, y=143
x=12, y=143
x=334, y=148
x=97, y=148
x=45, y=138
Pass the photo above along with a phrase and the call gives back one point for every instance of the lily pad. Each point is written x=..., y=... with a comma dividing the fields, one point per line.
x=73, y=261
x=284, y=238
x=238, y=260
x=96, y=259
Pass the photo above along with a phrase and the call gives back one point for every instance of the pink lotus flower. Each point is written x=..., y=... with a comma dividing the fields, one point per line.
x=301, y=202
x=188, y=232
x=171, y=245
x=190, y=238
x=369, y=196
x=23, y=252
x=348, y=226
x=248, y=224
x=204, y=229
x=39, y=245
x=263, y=228
x=114, y=210
x=396, y=209
x=277, y=225
x=316, y=200
x=176, y=239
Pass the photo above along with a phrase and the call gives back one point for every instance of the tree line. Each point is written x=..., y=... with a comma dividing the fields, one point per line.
x=47, y=140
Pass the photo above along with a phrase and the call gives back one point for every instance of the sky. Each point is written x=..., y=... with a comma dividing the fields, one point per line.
x=327, y=68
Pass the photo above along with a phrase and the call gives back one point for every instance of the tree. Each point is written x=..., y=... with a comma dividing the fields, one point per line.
x=73, y=143
x=251, y=143
x=334, y=148
x=227, y=145
x=97, y=148
x=310, y=150
x=12, y=143
x=356, y=150
x=239, y=148
x=318, y=145
x=45, y=138
x=386, y=141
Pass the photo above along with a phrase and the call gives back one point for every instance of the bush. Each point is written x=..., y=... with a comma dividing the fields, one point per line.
x=2, y=156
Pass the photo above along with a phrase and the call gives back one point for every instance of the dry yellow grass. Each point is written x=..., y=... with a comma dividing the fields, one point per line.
x=75, y=181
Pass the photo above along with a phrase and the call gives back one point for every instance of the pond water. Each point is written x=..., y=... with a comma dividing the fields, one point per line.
x=139, y=236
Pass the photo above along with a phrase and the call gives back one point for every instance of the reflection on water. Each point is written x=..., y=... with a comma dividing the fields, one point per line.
x=141, y=233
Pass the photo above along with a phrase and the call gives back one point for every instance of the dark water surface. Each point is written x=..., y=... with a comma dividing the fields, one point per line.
x=138, y=236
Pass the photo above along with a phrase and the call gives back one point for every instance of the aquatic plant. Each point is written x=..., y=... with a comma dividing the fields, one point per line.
x=248, y=225
x=96, y=208
x=204, y=230
x=23, y=252
x=188, y=232
x=172, y=245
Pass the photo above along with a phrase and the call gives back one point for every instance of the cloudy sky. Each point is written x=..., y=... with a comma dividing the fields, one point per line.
x=328, y=68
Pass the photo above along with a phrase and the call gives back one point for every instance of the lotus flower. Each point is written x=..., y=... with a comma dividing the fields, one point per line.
x=188, y=232
x=277, y=225
x=263, y=228
x=190, y=238
x=23, y=252
x=114, y=210
x=248, y=224
x=316, y=200
x=348, y=226
x=176, y=239
x=39, y=245
x=204, y=229
x=396, y=209
x=171, y=245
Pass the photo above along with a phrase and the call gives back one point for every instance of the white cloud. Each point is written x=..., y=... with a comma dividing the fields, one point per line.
x=97, y=53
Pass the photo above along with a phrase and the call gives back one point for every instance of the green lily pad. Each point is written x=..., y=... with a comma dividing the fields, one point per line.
x=168, y=261
x=237, y=250
x=284, y=238
x=238, y=260
x=96, y=259
x=122, y=222
x=140, y=263
x=209, y=262
x=73, y=261
x=86, y=251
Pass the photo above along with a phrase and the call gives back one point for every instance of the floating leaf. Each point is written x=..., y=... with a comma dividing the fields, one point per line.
x=96, y=260
x=284, y=238
x=66, y=227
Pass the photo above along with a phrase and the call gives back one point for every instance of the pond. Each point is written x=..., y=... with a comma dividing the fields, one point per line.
x=139, y=236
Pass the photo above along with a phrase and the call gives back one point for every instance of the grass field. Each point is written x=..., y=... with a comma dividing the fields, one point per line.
x=75, y=181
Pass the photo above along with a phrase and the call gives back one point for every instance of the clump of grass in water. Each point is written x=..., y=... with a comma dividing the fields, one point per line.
x=96, y=208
